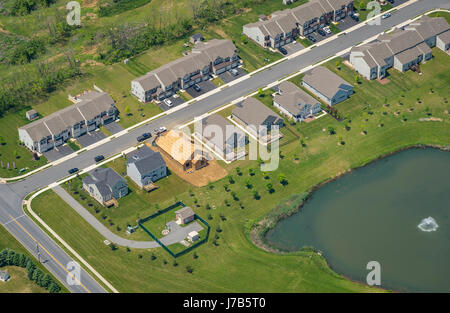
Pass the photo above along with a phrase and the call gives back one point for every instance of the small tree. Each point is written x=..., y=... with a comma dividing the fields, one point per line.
x=269, y=188
x=260, y=92
x=357, y=79
x=127, y=110
x=283, y=180
x=331, y=130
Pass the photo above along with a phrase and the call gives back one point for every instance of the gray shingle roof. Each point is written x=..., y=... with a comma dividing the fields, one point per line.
x=91, y=105
x=146, y=160
x=185, y=212
x=104, y=179
x=445, y=37
x=255, y=113
x=293, y=99
x=325, y=81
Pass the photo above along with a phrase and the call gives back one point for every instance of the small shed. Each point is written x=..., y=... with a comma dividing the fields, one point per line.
x=196, y=38
x=31, y=115
x=4, y=276
x=185, y=215
x=193, y=236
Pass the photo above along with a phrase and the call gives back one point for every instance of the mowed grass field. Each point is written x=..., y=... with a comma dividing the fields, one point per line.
x=19, y=282
x=23, y=159
x=234, y=263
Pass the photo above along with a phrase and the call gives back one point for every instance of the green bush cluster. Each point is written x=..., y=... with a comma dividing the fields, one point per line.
x=11, y=258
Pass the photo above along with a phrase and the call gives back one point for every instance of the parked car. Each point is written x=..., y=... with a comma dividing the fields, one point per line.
x=391, y=1
x=168, y=102
x=321, y=32
x=160, y=130
x=312, y=39
x=327, y=29
x=282, y=50
x=144, y=136
x=99, y=158
x=234, y=72
x=386, y=15
x=354, y=17
x=197, y=88
x=73, y=170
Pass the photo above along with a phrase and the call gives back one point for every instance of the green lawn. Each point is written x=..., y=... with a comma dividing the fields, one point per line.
x=10, y=151
x=19, y=280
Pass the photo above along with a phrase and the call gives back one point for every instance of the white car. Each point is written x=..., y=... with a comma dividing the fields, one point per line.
x=385, y=15
x=327, y=29
x=168, y=102
x=160, y=130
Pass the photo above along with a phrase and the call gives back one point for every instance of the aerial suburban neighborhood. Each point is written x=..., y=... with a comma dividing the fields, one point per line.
x=224, y=146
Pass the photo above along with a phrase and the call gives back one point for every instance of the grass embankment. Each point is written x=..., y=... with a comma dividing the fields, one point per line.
x=231, y=261
x=19, y=282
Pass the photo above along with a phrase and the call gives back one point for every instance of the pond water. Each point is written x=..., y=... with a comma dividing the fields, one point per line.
x=395, y=211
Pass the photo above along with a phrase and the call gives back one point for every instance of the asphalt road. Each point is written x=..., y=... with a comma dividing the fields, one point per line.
x=11, y=195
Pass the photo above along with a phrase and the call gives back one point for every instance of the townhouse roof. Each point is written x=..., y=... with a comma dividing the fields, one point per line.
x=201, y=55
x=401, y=40
x=445, y=37
x=408, y=55
x=255, y=113
x=91, y=104
x=146, y=160
x=427, y=26
x=325, y=81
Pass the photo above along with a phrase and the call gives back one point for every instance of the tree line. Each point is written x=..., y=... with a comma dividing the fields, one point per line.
x=24, y=7
x=9, y=257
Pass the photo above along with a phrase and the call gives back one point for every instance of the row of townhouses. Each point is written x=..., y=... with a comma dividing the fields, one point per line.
x=283, y=26
x=401, y=48
x=206, y=58
x=91, y=110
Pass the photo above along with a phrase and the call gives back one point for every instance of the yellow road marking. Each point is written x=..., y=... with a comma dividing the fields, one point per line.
x=57, y=262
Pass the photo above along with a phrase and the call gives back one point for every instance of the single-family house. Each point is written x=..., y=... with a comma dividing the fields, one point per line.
x=185, y=215
x=256, y=118
x=105, y=186
x=326, y=85
x=91, y=110
x=182, y=149
x=401, y=48
x=4, y=276
x=294, y=102
x=222, y=136
x=206, y=58
x=145, y=166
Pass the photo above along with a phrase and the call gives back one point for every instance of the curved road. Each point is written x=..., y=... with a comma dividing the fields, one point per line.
x=55, y=259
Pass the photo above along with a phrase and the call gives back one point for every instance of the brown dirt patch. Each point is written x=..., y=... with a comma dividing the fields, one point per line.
x=197, y=178
x=383, y=81
x=89, y=3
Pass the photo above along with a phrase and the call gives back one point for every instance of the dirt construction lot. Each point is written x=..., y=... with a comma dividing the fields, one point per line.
x=199, y=178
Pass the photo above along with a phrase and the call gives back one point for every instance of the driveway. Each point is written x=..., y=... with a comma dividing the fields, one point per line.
x=58, y=153
x=90, y=138
x=114, y=127
x=346, y=23
x=176, y=101
x=293, y=47
x=228, y=77
x=205, y=87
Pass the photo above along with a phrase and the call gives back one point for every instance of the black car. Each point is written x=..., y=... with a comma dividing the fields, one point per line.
x=99, y=158
x=73, y=170
x=282, y=50
x=144, y=136
x=355, y=18
x=391, y=1
x=312, y=38
x=197, y=88
x=321, y=32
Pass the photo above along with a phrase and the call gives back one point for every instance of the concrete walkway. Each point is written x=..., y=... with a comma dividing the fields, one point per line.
x=177, y=233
